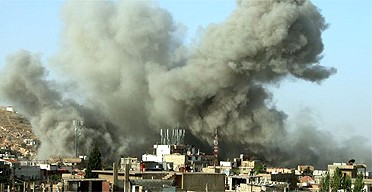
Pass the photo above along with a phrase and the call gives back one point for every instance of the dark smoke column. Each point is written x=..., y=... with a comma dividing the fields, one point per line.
x=222, y=85
x=125, y=65
x=23, y=84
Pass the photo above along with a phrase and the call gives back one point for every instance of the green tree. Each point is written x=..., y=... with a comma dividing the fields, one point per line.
x=94, y=162
x=324, y=183
x=235, y=170
x=55, y=177
x=259, y=169
x=359, y=183
x=346, y=183
x=336, y=180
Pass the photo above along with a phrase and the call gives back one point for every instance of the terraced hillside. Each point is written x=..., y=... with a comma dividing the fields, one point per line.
x=16, y=134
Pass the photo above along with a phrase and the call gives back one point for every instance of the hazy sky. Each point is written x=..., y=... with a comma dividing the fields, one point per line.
x=340, y=104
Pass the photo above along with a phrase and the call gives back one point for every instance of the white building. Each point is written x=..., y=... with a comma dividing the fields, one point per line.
x=160, y=151
x=9, y=108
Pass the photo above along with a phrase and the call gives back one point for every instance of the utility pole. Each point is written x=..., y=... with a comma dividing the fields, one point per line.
x=78, y=125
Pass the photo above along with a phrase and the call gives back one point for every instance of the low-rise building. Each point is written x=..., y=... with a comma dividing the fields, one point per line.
x=184, y=181
x=28, y=172
x=178, y=160
x=133, y=163
x=304, y=170
x=275, y=170
x=350, y=169
x=257, y=183
x=88, y=185
x=367, y=185
x=172, y=151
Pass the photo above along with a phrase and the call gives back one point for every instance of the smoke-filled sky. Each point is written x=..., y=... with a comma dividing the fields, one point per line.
x=280, y=80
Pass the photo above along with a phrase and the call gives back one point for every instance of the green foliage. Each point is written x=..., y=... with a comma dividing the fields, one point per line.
x=94, y=162
x=346, y=183
x=55, y=178
x=324, y=183
x=336, y=180
x=235, y=170
x=259, y=168
x=359, y=183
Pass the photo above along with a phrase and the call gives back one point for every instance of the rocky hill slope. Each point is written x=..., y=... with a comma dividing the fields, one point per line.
x=16, y=134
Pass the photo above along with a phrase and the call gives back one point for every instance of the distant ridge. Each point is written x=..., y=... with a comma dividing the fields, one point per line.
x=16, y=134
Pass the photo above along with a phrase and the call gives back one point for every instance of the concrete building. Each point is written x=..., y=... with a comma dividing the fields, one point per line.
x=133, y=163
x=88, y=185
x=171, y=142
x=367, y=184
x=178, y=160
x=226, y=167
x=28, y=172
x=160, y=150
x=9, y=108
x=257, y=183
x=212, y=169
x=318, y=176
x=184, y=181
x=304, y=170
x=247, y=167
x=350, y=169
x=172, y=151
x=201, y=181
x=275, y=170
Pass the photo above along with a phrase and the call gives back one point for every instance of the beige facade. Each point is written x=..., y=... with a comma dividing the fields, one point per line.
x=178, y=160
x=247, y=166
x=302, y=168
x=133, y=162
x=211, y=169
x=278, y=170
x=250, y=188
x=351, y=170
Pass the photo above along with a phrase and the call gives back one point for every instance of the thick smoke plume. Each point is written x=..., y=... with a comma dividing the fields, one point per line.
x=127, y=74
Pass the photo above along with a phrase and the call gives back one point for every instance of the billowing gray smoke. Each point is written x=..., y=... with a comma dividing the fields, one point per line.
x=127, y=74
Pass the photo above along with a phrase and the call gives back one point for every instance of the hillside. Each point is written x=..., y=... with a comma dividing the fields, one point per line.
x=16, y=134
